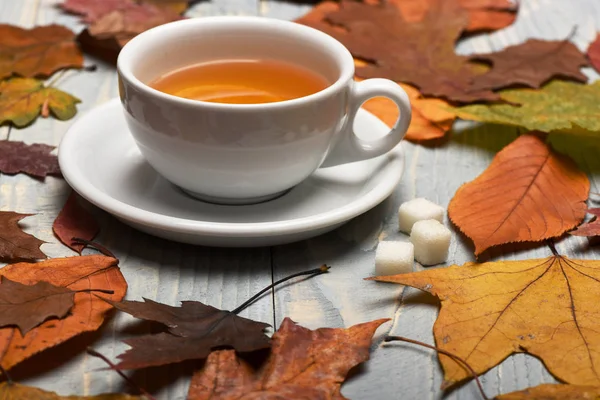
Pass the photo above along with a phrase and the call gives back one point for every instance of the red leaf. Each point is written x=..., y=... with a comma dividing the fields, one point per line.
x=74, y=221
x=591, y=228
x=34, y=160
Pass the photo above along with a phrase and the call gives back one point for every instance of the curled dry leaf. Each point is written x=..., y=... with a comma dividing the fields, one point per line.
x=591, y=228
x=15, y=391
x=113, y=23
x=563, y=106
x=14, y=243
x=528, y=193
x=34, y=160
x=27, y=306
x=74, y=221
x=40, y=51
x=302, y=364
x=77, y=274
x=22, y=100
x=593, y=53
x=554, y=392
x=194, y=330
x=544, y=307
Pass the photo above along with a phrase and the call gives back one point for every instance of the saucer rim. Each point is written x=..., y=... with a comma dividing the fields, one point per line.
x=128, y=212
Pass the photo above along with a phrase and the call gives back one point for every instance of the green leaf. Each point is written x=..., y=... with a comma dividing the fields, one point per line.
x=558, y=106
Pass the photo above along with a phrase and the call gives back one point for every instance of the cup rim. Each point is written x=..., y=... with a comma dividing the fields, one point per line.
x=127, y=54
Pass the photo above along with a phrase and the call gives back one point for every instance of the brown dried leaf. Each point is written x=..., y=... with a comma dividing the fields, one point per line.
x=545, y=307
x=593, y=53
x=591, y=228
x=27, y=306
x=40, y=51
x=77, y=274
x=554, y=392
x=303, y=364
x=532, y=64
x=195, y=329
x=16, y=391
x=74, y=221
x=32, y=159
x=528, y=193
x=14, y=243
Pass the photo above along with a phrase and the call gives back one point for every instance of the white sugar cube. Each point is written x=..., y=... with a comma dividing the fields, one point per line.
x=431, y=240
x=418, y=210
x=394, y=258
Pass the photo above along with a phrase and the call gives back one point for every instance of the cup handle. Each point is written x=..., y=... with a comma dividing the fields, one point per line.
x=349, y=147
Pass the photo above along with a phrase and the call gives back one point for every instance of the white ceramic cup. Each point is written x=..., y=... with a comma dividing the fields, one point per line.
x=247, y=153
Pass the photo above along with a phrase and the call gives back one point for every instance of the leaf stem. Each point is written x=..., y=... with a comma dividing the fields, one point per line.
x=6, y=375
x=127, y=379
x=317, y=271
x=106, y=291
x=56, y=78
x=552, y=247
x=93, y=245
x=456, y=358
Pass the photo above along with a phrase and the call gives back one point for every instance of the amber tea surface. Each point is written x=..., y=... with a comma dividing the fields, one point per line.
x=241, y=82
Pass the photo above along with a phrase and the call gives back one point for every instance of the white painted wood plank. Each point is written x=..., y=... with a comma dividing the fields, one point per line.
x=157, y=269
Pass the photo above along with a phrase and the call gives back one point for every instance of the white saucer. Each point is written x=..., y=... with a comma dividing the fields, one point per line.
x=100, y=160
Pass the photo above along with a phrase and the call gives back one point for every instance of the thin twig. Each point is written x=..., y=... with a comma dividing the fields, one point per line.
x=106, y=291
x=317, y=271
x=134, y=385
x=56, y=78
x=93, y=245
x=456, y=358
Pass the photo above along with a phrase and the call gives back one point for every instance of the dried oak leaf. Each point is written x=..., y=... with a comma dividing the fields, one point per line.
x=532, y=64
x=528, y=193
x=420, y=53
x=15, y=391
x=22, y=100
x=591, y=228
x=78, y=274
x=34, y=160
x=39, y=51
x=545, y=307
x=27, y=306
x=14, y=243
x=593, y=53
x=564, y=106
x=195, y=329
x=303, y=364
x=554, y=392
x=74, y=221
x=111, y=27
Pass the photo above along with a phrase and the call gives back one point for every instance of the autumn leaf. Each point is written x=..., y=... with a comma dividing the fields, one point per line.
x=399, y=51
x=528, y=193
x=554, y=392
x=39, y=52
x=430, y=117
x=15, y=391
x=114, y=22
x=34, y=160
x=303, y=364
x=97, y=273
x=593, y=53
x=22, y=100
x=485, y=15
x=27, y=306
x=74, y=221
x=14, y=243
x=556, y=106
x=532, y=64
x=177, y=6
x=544, y=307
x=591, y=228
x=194, y=330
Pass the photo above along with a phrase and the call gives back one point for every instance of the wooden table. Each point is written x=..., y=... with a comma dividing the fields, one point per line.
x=169, y=272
